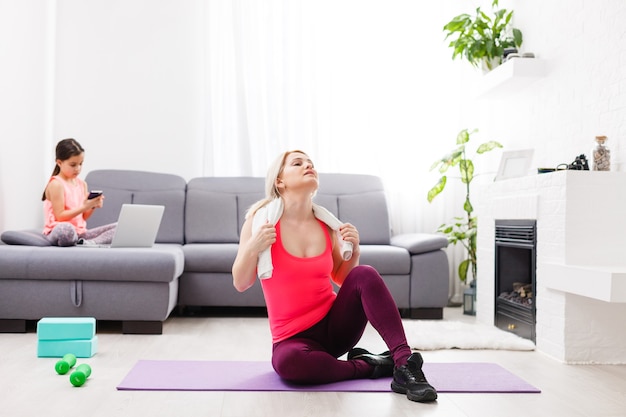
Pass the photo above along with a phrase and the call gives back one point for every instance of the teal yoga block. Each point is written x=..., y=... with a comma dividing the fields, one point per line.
x=66, y=328
x=58, y=348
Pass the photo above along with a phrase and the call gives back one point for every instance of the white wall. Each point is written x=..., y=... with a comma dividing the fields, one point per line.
x=126, y=78
x=584, y=91
x=25, y=65
x=129, y=78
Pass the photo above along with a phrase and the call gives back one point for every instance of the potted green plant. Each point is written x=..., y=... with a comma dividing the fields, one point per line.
x=481, y=39
x=463, y=228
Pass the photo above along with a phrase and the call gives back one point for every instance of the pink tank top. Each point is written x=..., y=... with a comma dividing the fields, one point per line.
x=300, y=292
x=74, y=197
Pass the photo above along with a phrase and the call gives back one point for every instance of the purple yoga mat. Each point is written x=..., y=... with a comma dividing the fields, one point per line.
x=150, y=375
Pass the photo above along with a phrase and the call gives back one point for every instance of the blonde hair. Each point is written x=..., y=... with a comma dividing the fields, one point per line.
x=271, y=190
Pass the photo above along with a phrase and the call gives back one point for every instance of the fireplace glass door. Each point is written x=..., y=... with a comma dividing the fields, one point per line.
x=515, y=286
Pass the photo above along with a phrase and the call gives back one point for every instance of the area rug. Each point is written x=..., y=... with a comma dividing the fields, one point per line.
x=465, y=377
x=443, y=334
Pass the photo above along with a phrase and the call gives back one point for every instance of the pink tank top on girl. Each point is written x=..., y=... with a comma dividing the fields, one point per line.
x=74, y=197
x=300, y=292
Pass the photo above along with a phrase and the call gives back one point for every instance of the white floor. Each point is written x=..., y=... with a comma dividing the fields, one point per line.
x=29, y=385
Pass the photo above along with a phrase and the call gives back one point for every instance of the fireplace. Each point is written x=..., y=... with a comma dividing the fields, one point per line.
x=515, y=286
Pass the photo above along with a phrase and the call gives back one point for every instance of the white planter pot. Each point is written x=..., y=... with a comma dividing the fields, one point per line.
x=487, y=65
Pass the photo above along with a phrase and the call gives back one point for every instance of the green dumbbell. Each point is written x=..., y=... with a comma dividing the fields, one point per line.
x=80, y=375
x=65, y=364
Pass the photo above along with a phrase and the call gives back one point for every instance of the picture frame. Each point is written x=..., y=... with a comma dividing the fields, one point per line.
x=514, y=164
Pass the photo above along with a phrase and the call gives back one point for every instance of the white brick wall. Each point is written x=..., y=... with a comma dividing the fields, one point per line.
x=583, y=92
x=570, y=327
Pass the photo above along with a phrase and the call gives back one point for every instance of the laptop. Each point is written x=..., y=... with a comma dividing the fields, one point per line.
x=137, y=227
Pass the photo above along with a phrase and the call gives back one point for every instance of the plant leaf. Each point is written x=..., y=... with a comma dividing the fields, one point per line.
x=488, y=146
x=517, y=37
x=449, y=160
x=445, y=228
x=467, y=171
x=462, y=137
x=484, y=16
x=462, y=229
x=468, y=206
x=438, y=188
x=507, y=17
x=458, y=23
x=463, y=266
x=483, y=36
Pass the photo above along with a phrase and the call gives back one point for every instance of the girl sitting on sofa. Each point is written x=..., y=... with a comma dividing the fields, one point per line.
x=66, y=204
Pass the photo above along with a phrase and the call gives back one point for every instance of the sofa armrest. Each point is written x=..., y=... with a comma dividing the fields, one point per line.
x=417, y=243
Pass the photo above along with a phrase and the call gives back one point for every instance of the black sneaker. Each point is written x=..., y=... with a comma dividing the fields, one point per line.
x=382, y=363
x=410, y=380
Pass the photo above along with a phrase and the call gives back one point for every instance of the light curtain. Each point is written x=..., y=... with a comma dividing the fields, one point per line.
x=361, y=86
x=260, y=84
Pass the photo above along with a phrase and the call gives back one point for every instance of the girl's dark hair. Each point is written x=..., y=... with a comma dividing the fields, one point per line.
x=65, y=149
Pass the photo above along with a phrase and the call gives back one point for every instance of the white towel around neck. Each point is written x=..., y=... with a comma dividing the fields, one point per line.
x=271, y=213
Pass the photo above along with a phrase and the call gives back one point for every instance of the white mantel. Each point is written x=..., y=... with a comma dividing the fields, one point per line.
x=581, y=259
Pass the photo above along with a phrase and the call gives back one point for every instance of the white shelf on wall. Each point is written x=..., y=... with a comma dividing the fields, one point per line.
x=511, y=77
x=605, y=284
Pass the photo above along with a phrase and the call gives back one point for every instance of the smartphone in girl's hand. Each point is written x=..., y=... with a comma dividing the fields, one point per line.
x=94, y=194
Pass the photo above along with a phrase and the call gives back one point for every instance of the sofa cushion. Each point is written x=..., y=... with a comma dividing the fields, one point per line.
x=161, y=263
x=358, y=199
x=368, y=212
x=172, y=225
x=213, y=257
x=420, y=242
x=329, y=202
x=141, y=187
x=216, y=207
x=24, y=237
x=211, y=217
x=388, y=260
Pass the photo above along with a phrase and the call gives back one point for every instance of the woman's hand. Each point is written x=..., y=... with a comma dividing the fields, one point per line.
x=349, y=233
x=250, y=246
x=262, y=239
x=341, y=267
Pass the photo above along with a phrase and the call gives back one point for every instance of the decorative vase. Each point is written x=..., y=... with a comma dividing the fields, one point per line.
x=601, y=155
x=488, y=64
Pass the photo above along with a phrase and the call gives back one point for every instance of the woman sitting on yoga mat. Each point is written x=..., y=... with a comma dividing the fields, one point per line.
x=291, y=245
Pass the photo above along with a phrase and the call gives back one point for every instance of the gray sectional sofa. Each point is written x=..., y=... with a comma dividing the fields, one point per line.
x=196, y=245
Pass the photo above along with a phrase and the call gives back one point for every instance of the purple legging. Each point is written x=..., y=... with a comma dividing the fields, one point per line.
x=310, y=357
x=64, y=234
